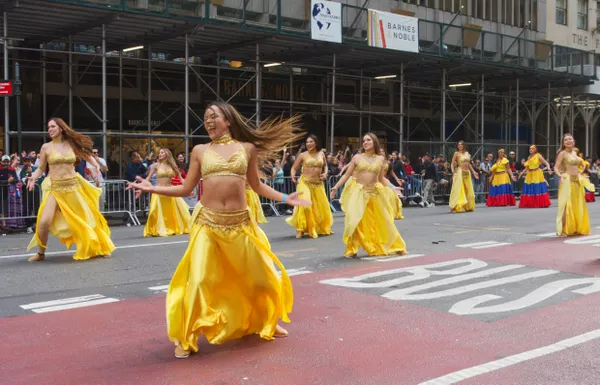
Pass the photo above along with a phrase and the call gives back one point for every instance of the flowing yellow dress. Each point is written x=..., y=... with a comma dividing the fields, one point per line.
x=167, y=215
x=571, y=203
x=315, y=219
x=254, y=204
x=462, y=195
x=226, y=285
x=393, y=198
x=78, y=220
x=369, y=222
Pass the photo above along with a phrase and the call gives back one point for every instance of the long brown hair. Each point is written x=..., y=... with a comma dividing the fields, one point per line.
x=82, y=144
x=376, y=145
x=170, y=160
x=562, y=142
x=270, y=137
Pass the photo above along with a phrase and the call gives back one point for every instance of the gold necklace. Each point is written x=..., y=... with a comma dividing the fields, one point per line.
x=313, y=152
x=57, y=139
x=223, y=140
x=370, y=154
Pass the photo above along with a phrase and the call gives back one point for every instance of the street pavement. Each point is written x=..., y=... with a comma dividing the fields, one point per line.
x=489, y=297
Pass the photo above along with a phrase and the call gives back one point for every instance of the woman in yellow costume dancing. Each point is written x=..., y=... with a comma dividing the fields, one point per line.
x=462, y=196
x=69, y=209
x=167, y=215
x=317, y=219
x=572, y=217
x=226, y=285
x=369, y=222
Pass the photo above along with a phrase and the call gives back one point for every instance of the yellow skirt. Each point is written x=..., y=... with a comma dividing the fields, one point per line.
x=369, y=223
x=572, y=217
x=167, y=216
x=462, y=195
x=351, y=182
x=78, y=220
x=253, y=202
x=315, y=219
x=226, y=285
x=394, y=202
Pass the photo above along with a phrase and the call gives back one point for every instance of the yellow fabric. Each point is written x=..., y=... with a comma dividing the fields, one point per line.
x=535, y=176
x=463, y=158
x=572, y=206
x=167, y=216
x=369, y=223
x=310, y=161
x=462, y=196
x=345, y=193
x=162, y=172
x=315, y=219
x=56, y=157
x=226, y=285
x=394, y=202
x=499, y=166
x=78, y=219
x=256, y=210
x=364, y=166
x=214, y=164
x=500, y=179
x=533, y=162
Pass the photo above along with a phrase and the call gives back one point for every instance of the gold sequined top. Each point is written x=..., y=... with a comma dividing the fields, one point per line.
x=364, y=166
x=213, y=164
x=164, y=172
x=56, y=157
x=463, y=158
x=571, y=161
x=310, y=161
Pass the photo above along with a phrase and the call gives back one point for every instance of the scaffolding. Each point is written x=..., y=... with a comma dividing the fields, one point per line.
x=490, y=90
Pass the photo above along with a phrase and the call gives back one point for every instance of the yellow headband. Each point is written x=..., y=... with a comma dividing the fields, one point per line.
x=501, y=150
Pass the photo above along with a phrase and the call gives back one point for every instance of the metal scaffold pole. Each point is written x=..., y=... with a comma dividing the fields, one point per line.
x=70, y=82
x=443, y=119
x=149, y=95
x=6, y=100
x=258, y=82
x=517, y=122
x=187, y=98
x=401, y=123
x=331, y=138
x=548, y=123
x=104, y=115
x=482, y=113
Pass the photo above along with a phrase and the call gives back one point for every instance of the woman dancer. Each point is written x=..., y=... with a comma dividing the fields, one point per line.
x=317, y=219
x=167, y=215
x=393, y=198
x=369, y=222
x=572, y=217
x=69, y=209
x=535, y=188
x=462, y=196
x=584, y=169
x=501, y=192
x=226, y=285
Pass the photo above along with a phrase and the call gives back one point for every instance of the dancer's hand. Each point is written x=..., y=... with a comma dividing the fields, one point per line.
x=30, y=184
x=333, y=192
x=323, y=176
x=294, y=200
x=294, y=180
x=476, y=175
x=138, y=194
x=141, y=184
x=398, y=191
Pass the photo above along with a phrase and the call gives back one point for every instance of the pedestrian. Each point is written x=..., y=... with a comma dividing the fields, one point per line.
x=8, y=179
x=429, y=181
x=99, y=182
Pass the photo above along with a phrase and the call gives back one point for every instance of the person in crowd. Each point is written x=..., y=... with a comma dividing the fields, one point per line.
x=462, y=196
x=368, y=223
x=430, y=178
x=226, y=285
x=99, y=181
x=135, y=167
x=397, y=174
x=393, y=198
x=15, y=199
x=317, y=219
x=278, y=179
x=572, y=215
x=69, y=209
x=31, y=199
x=535, y=188
x=501, y=192
x=584, y=169
x=8, y=179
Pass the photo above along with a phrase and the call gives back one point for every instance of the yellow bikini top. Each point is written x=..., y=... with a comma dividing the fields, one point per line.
x=386, y=167
x=162, y=173
x=534, y=162
x=213, y=164
x=572, y=161
x=363, y=166
x=310, y=161
x=463, y=158
x=56, y=157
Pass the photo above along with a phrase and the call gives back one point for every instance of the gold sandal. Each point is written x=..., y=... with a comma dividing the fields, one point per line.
x=37, y=257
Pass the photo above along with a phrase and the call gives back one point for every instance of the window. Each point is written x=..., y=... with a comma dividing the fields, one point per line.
x=582, y=14
x=534, y=15
x=561, y=12
x=598, y=14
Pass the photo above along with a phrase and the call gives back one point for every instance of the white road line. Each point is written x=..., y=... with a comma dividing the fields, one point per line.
x=493, y=245
x=72, y=251
x=159, y=288
x=548, y=235
x=477, y=244
x=61, y=301
x=407, y=256
x=75, y=305
x=502, y=363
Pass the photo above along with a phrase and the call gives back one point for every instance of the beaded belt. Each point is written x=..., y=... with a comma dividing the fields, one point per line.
x=311, y=180
x=222, y=219
x=64, y=184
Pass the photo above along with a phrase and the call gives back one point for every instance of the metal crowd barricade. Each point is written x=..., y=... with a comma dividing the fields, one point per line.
x=268, y=203
x=116, y=199
x=18, y=207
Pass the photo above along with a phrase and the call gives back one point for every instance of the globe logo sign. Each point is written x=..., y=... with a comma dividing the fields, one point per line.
x=322, y=16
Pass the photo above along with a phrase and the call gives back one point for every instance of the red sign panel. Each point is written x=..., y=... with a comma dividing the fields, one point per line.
x=6, y=88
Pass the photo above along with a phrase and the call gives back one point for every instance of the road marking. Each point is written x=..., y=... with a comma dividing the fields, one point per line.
x=548, y=235
x=162, y=288
x=502, y=363
x=587, y=240
x=477, y=244
x=472, y=227
x=68, y=303
x=400, y=258
x=73, y=251
x=493, y=245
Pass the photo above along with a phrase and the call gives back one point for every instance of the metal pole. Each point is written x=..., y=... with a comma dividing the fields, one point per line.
x=360, y=105
x=587, y=130
x=44, y=105
x=571, y=105
x=258, y=81
x=218, y=71
x=562, y=120
x=548, y=124
x=370, y=105
x=187, y=97
x=401, y=123
x=482, y=112
x=104, y=117
x=6, y=100
x=443, y=120
x=149, y=94
x=517, y=122
x=120, y=114
x=332, y=136
x=71, y=82
x=18, y=100
x=291, y=89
